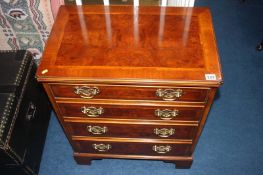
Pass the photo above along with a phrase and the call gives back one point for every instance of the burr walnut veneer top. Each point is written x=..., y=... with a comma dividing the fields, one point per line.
x=132, y=44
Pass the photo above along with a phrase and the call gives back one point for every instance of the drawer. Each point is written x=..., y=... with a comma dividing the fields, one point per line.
x=90, y=110
x=129, y=92
x=132, y=148
x=127, y=130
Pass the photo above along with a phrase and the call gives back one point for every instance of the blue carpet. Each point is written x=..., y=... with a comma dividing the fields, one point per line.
x=231, y=143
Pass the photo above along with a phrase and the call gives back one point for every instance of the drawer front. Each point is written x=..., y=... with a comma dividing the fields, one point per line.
x=130, y=92
x=132, y=130
x=132, y=148
x=86, y=110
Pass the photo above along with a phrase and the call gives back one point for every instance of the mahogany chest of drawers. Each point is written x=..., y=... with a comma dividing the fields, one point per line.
x=132, y=82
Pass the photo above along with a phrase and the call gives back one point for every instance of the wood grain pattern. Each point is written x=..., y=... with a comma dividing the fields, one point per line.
x=120, y=42
x=132, y=149
x=180, y=161
x=139, y=130
x=125, y=54
x=125, y=156
x=191, y=94
x=185, y=113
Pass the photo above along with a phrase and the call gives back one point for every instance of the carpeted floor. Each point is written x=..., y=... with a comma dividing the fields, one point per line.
x=231, y=143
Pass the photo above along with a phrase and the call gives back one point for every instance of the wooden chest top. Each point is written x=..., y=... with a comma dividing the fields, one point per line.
x=126, y=44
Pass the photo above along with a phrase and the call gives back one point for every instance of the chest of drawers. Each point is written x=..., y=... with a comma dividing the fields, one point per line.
x=131, y=82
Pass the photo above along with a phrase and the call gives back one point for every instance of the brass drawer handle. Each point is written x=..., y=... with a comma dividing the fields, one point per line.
x=162, y=149
x=101, y=147
x=169, y=94
x=164, y=132
x=97, y=130
x=92, y=111
x=86, y=91
x=166, y=114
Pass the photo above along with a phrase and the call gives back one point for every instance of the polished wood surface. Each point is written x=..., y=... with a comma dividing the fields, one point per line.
x=129, y=82
x=133, y=148
x=130, y=92
x=181, y=161
x=131, y=43
x=139, y=130
x=132, y=111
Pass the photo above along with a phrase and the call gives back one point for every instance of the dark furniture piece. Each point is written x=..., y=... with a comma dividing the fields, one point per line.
x=24, y=114
x=132, y=82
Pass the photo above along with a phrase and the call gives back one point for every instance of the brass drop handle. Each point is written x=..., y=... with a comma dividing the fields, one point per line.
x=164, y=132
x=97, y=130
x=162, y=149
x=166, y=114
x=92, y=111
x=101, y=147
x=86, y=91
x=169, y=94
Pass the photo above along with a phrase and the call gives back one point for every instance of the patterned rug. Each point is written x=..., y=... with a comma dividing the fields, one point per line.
x=26, y=24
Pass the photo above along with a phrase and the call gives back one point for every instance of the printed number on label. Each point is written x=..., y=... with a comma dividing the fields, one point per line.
x=210, y=76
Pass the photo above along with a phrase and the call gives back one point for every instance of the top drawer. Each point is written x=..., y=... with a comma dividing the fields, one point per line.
x=161, y=93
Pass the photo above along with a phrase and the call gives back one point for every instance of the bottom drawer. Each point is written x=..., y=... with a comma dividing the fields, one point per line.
x=133, y=148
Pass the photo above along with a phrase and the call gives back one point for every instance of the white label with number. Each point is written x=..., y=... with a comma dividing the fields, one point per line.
x=210, y=76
